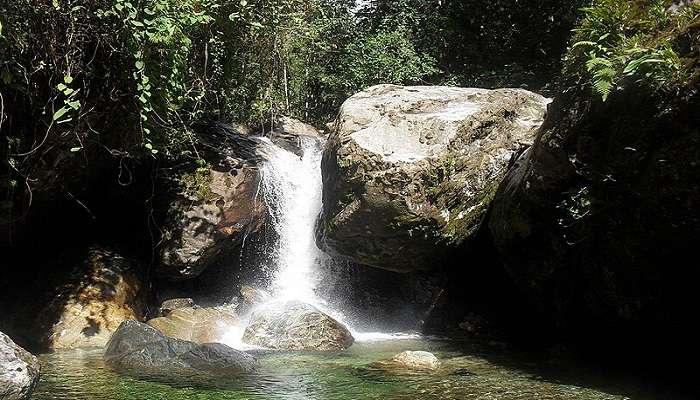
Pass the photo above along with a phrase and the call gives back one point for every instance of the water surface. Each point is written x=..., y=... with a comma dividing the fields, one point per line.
x=469, y=371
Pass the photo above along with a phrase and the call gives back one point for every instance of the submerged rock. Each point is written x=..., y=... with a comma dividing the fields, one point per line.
x=138, y=349
x=104, y=291
x=19, y=370
x=413, y=360
x=198, y=325
x=409, y=172
x=296, y=326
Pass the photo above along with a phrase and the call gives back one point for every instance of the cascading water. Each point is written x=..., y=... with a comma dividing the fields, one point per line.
x=291, y=187
x=292, y=192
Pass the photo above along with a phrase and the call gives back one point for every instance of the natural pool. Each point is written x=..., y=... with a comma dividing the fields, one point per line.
x=468, y=371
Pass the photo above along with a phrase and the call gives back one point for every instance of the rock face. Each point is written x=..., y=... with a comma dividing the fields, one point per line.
x=19, y=370
x=207, y=224
x=411, y=171
x=139, y=349
x=597, y=221
x=198, y=325
x=296, y=326
x=102, y=293
x=412, y=360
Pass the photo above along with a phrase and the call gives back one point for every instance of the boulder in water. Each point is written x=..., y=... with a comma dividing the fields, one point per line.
x=170, y=305
x=198, y=325
x=138, y=349
x=102, y=292
x=295, y=325
x=19, y=370
x=412, y=360
x=409, y=172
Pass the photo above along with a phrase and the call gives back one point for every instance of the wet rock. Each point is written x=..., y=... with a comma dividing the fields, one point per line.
x=19, y=370
x=206, y=225
x=288, y=132
x=412, y=360
x=296, y=326
x=170, y=305
x=252, y=296
x=102, y=292
x=139, y=349
x=198, y=325
x=409, y=172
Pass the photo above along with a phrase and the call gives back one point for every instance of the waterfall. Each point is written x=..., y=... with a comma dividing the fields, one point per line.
x=292, y=191
x=291, y=187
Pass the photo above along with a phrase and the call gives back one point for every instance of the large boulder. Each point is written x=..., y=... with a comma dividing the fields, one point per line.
x=296, y=326
x=411, y=171
x=19, y=370
x=101, y=293
x=198, y=325
x=139, y=349
x=213, y=217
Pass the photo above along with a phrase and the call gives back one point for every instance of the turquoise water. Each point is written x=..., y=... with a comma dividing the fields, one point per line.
x=468, y=371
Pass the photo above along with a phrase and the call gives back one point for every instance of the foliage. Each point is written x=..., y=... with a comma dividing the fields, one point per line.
x=619, y=40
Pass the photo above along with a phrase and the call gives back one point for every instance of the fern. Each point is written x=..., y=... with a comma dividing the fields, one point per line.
x=604, y=75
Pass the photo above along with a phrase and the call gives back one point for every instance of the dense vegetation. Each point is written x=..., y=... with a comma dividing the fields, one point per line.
x=126, y=80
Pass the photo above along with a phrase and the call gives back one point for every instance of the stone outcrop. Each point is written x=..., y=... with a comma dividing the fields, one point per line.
x=296, y=326
x=102, y=292
x=198, y=325
x=409, y=172
x=140, y=350
x=19, y=370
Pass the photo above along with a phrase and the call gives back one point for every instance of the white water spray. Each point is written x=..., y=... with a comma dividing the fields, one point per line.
x=292, y=191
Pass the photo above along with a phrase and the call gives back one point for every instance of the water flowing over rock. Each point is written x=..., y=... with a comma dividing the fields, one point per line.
x=19, y=370
x=105, y=290
x=141, y=350
x=411, y=171
x=289, y=134
x=198, y=325
x=411, y=360
x=296, y=326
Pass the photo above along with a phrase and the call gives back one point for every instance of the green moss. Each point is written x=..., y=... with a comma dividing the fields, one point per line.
x=197, y=184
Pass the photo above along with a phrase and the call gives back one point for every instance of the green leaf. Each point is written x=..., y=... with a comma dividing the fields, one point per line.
x=149, y=146
x=61, y=112
x=75, y=149
x=68, y=91
x=61, y=87
x=68, y=79
x=137, y=23
x=139, y=65
x=74, y=104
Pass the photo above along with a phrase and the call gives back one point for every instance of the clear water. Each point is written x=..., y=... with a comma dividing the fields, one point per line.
x=468, y=371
